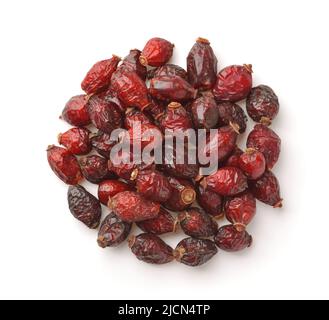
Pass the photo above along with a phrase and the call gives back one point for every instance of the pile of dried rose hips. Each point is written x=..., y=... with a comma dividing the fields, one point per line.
x=145, y=89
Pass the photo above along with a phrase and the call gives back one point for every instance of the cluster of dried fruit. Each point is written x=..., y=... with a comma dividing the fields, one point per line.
x=145, y=89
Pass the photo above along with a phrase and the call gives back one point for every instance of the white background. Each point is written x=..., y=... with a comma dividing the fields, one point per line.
x=46, y=49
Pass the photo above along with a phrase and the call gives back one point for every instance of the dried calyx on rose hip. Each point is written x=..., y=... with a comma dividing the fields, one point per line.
x=109, y=188
x=76, y=140
x=168, y=70
x=252, y=163
x=94, y=168
x=76, y=111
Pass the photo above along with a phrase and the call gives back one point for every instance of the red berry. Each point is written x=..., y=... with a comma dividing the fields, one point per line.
x=230, y=239
x=202, y=65
x=99, y=76
x=156, y=109
x=130, y=206
x=240, y=210
x=131, y=62
x=233, y=160
x=156, y=52
x=253, y=164
x=109, y=188
x=168, y=70
x=135, y=116
x=76, y=111
x=267, y=189
x=103, y=143
x=233, y=83
x=76, y=140
x=230, y=112
x=266, y=141
x=64, y=164
x=94, y=169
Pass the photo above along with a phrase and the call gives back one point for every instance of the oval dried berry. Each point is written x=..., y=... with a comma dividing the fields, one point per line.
x=76, y=111
x=252, y=163
x=103, y=143
x=76, y=140
x=233, y=160
x=230, y=112
x=168, y=70
x=131, y=62
x=94, y=168
x=109, y=188
x=135, y=116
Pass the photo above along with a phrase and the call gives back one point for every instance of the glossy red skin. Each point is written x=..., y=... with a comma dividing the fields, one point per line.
x=227, y=181
x=76, y=140
x=253, y=164
x=210, y=201
x=266, y=141
x=240, y=210
x=267, y=189
x=150, y=248
x=135, y=116
x=226, y=139
x=262, y=103
x=113, y=231
x=163, y=223
x=202, y=65
x=131, y=63
x=76, y=111
x=109, y=188
x=230, y=112
x=94, y=169
x=99, y=76
x=130, y=206
x=233, y=83
x=230, y=239
x=175, y=118
x=84, y=206
x=205, y=112
x=196, y=223
x=64, y=164
x=130, y=89
x=233, y=160
x=171, y=88
x=103, y=144
x=104, y=115
x=168, y=70
x=153, y=185
x=195, y=252
x=183, y=195
x=156, y=52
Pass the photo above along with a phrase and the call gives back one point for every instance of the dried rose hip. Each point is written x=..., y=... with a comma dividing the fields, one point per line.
x=183, y=195
x=156, y=52
x=210, y=201
x=131, y=62
x=130, y=206
x=227, y=181
x=233, y=160
x=156, y=109
x=171, y=88
x=202, y=65
x=266, y=141
x=130, y=89
x=240, y=210
x=195, y=252
x=262, y=104
x=109, y=188
x=94, y=169
x=84, y=206
x=153, y=185
x=135, y=116
x=267, y=189
x=205, y=112
x=230, y=239
x=168, y=70
x=99, y=76
x=76, y=112
x=76, y=140
x=233, y=83
x=103, y=143
x=196, y=223
x=252, y=163
x=151, y=249
x=113, y=231
x=230, y=112
x=64, y=164
x=105, y=116
x=163, y=223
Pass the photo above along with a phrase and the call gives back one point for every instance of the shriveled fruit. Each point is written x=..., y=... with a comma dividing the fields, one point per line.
x=109, y=188
x=240, y=210
x=195, y=252
x=233, y=83
x=252, y=163
x=262, y=104
x=103, y=143
x=113, y=231
x=131, y=62
x=130, y=206
x=230, y=239
x=94, y=168
x=99, y=76
x=163, y=223
x=64, y=164
x=156, y=109
x=267, y=189
x=230, y=112
x=76, y=112
x=168, y=70
x=210, y=201
x=135, y=116
x=202, y=65
x=84, y=206
x=196, y=223
x=156, y=52
x=233, y=160
x=266, y=141
x=151, y=249
x=76, y=140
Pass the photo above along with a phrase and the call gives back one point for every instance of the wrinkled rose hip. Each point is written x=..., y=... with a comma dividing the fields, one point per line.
x=109, y=188
x=76, y=111
x=168, y=70
x=233, y=160
x=131, y=62
x=76, y=140
x=252, y=163
x=229, y=112
x=135, y=116
x=103, y=143
x=94, y=168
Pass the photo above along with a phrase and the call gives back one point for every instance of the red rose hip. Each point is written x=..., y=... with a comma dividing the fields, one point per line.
x=109, y=188
x=252, y=163
x=233, y=160
x=76, y=140
x=76, y=111
x=131, y=62
x=94, y=168
x=168, y=70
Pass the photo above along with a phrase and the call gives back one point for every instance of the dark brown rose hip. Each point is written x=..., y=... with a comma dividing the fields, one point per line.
x=230, y=112
x=94, y=169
